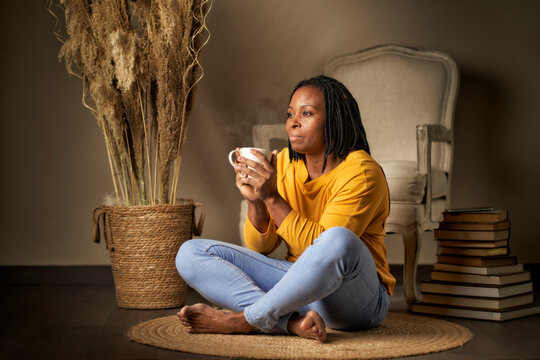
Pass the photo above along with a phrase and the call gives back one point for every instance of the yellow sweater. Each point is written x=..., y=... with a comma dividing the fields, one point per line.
x=353, y=195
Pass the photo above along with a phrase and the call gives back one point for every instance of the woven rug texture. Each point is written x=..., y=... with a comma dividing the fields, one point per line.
x=399, y=335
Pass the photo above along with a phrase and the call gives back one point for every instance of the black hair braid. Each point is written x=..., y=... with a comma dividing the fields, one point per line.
x=343, y=129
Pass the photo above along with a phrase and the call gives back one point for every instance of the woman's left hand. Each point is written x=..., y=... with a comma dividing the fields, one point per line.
x=262, y=176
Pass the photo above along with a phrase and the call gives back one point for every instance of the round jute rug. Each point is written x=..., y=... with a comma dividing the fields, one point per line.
x=399, y=335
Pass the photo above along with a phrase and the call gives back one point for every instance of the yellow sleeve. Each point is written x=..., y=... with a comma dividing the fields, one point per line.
x=263, y=243
x=354, y=206
x=298, y=232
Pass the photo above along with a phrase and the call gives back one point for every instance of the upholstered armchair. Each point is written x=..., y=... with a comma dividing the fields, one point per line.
x=406, y=99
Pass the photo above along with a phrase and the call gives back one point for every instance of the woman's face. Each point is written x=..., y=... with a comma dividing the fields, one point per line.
x=305, y=123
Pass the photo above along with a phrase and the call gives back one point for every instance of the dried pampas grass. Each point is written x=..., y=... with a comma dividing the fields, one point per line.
x=139, y=65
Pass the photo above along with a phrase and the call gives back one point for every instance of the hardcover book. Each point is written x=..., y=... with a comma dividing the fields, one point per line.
x=475, y=215
x=471, y=235
x=472, y=226
x=477, y=260
x=505, y=279
x=494, y=315
x=473, y=244
x=481, y=290
x=474, y=252
x=480, y=270
x=478, y=302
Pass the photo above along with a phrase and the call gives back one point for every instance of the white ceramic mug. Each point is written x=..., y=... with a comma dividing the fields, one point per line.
x=246, y=152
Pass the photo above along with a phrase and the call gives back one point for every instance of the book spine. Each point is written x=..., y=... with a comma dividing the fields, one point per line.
x=477, y=290
x=473, y=244
x=457, y=312
x=474, y=252
x=460, y=290
x=471, y=235
x=481, y=279
x=492, y=216
x=480, y=270
x=476, y=260
x=474, y=226
x=479, y=303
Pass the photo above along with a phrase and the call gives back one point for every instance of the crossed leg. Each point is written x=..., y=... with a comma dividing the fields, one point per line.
x=208, y=265
x=335, y=278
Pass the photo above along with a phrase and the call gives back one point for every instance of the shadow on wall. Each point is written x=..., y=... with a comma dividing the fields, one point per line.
x=496, y=159
x=479, y=116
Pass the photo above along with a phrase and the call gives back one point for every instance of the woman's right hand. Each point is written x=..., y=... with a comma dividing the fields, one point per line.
x=264, y=186
x=246, y=190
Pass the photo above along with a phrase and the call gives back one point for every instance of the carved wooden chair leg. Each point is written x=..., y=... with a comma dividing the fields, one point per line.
x=411, y=247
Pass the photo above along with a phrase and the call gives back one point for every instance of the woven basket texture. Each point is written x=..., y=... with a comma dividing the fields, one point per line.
x=143, y=242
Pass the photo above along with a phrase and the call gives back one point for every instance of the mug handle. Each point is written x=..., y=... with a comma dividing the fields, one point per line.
x=230, y=157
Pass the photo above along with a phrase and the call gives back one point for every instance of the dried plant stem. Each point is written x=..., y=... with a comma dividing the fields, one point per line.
x=195, y=50
x=109, y=156
x=131, y=184
x=147, y=146
x=135, y=58
x=117, y=189
x=156, y=167
x=125, y=182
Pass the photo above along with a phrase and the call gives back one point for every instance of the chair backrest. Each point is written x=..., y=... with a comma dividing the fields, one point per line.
x=396, y=89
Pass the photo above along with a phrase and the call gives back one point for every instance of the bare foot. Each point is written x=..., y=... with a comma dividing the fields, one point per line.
x=201, y=318
x=309, y=326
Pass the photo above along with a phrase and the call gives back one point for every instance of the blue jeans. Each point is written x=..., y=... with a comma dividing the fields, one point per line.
x=336, y=277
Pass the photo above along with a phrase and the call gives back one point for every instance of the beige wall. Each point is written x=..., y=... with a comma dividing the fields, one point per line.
x=53, y=164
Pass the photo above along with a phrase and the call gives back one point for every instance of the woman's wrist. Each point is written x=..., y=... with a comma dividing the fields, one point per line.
x=278, y=208
x=258, y=215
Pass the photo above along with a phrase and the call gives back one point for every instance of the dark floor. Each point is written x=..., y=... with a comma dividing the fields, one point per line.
x=70, y=313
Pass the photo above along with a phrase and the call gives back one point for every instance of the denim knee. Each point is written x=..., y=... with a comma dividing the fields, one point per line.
x=339, y=241
x=186, y=258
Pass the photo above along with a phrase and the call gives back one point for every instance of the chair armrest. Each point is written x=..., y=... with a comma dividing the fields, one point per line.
x=435, y=132
x=425, y=135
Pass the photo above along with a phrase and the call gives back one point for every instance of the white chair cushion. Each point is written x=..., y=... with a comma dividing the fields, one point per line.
x=404, y=216
x=401, y=217
x=407, y=185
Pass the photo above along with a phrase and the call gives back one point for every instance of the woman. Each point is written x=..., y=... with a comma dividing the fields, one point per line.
x=328, y=200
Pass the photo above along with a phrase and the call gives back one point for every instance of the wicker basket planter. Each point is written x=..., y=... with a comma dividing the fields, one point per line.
x=142, y=243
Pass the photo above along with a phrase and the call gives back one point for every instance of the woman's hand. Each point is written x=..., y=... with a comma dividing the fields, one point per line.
x=257, y=181
x=258, y=184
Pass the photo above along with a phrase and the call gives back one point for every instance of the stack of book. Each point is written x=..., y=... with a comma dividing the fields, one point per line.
x=475, y=276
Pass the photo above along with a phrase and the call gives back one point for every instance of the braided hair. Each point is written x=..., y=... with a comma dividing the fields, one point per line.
x=343, y=129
